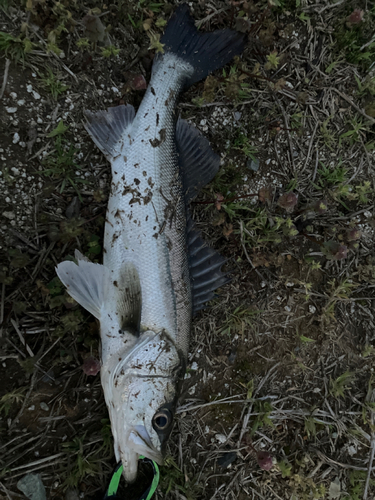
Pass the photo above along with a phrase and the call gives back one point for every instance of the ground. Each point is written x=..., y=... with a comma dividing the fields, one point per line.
x=278, y=400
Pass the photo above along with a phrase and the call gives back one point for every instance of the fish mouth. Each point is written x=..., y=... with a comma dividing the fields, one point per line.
x=138, y=444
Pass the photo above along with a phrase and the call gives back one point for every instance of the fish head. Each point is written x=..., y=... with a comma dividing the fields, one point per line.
x=141, y=392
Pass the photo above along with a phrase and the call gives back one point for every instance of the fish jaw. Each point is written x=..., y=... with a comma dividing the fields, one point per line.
x=138, y=386
x=137, y=445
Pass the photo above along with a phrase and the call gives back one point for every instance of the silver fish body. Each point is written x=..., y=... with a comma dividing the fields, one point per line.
x=156, y=268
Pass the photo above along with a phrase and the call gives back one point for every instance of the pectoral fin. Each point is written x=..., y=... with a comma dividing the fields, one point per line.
x=86, y=282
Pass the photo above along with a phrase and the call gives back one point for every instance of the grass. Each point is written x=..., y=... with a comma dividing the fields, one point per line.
x=60, y=165
x=53, y=84
x=284, y=354
x=15, y=48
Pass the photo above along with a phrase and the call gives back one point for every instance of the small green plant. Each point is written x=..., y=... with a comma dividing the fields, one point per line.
x=234, y=85
x=172, y=479
x=356, y=127
x=285, y=468
x=331, y=176
x=82, y=462
x=10, y=399
x=52, y=83
x=339, y=291
x=263, y=410
x=60, y=164
x=240, y=319
x=341, y=384
x=110, y=51
x=352, y=36
x=15, y=48
x=83, y=44
x=242, y=143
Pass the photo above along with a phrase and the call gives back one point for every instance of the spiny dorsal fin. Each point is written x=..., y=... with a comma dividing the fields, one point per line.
x=130, y=298
x=107, y=128
x=205, y=268
x=198, y=163
x=86, y=282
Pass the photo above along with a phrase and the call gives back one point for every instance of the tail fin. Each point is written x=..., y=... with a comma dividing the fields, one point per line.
x=206, y=52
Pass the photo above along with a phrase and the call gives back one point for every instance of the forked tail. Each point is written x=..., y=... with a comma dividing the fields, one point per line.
x=206, y=52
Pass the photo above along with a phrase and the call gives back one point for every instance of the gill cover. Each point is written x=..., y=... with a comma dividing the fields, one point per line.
x=142, y=387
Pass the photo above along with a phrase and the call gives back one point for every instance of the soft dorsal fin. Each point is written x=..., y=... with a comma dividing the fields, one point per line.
x=107, y=128
x=198, y=163
x=86, y=282
x=205, y=268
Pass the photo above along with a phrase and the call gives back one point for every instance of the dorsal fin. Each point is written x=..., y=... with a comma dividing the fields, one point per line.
x=107, y=128
x=198, y=163
x=205, y=268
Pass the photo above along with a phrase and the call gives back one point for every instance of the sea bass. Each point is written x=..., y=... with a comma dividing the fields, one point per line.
x=157, y=271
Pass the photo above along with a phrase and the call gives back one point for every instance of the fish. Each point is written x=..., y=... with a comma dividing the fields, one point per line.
x=157, y=271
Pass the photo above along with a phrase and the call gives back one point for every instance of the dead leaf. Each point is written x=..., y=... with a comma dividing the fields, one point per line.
x=219, y=200
x=227, y=230
x=219, y=219
x=265, y=195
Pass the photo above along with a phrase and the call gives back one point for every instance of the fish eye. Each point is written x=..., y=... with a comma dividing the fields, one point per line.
x=162, y=420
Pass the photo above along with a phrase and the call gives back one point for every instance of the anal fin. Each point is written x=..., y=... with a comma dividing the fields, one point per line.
x=205, y=268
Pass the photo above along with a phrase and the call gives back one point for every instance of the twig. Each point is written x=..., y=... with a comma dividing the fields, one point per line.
x=370, y=468
x=247, y=417
x=5, y=78
x=370, y=399
x=287, y=131
x=310, y=146
x=316, y=166
x=330, y=6
x=2, y=308
x=6, y=491
x=31, y=388
x=247, y=255
x=22, y=338
x=347, y=99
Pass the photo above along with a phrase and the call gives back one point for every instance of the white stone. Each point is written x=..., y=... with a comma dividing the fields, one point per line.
x=16, y=138
x=9, y=215
x=10, y=110
x=221, y=438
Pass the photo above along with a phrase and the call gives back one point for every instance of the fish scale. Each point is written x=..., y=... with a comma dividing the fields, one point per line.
x=157, y=270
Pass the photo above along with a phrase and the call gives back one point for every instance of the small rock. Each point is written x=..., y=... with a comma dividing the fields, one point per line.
x=16, y=138
x=10, y=110
x=221, y=438
x=253, y=165
x=228, y=458
x=32, y=487
x=44, y=406
x=9, y=215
